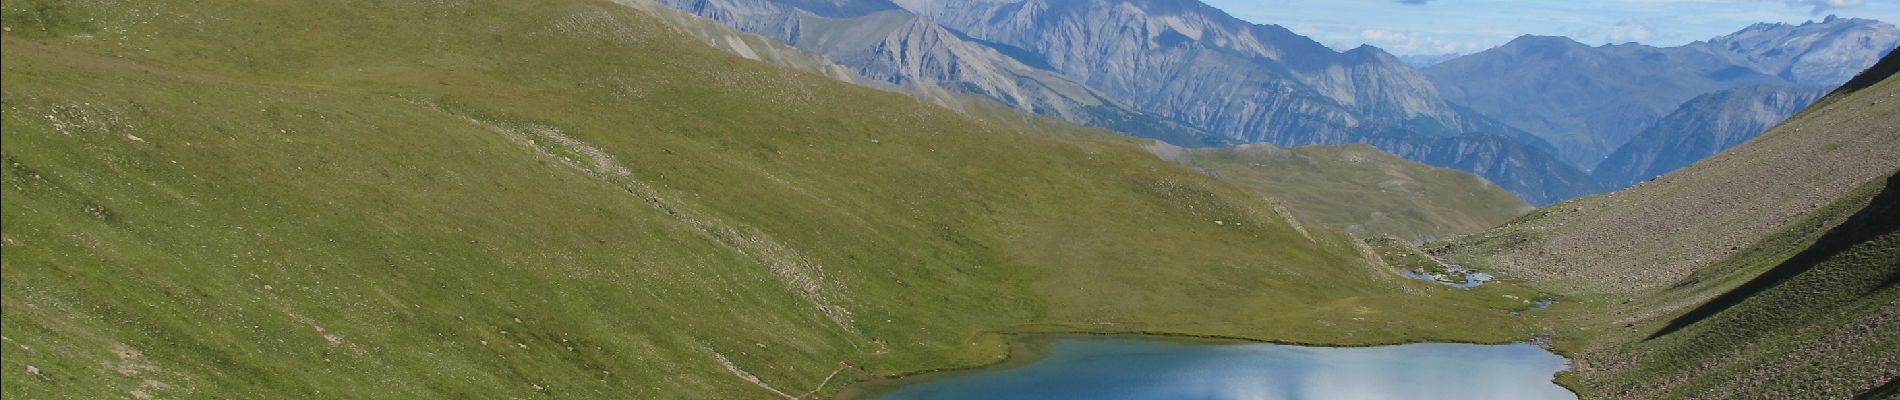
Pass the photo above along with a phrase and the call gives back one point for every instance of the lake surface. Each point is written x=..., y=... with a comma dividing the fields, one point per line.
x=1113, y=368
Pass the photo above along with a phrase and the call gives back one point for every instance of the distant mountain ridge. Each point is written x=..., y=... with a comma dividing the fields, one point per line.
x=1189, y=74
x=1703, y=127
x=1824, y=53
x=882, y=42
x=1197, y=64
x=1589, y=101
x=1222, y=80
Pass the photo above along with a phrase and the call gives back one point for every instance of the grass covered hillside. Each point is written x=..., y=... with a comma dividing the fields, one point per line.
x=1359, y=189
x=1768, y=271
x=1804, y=314
x=570, y=198
x=1658, y=234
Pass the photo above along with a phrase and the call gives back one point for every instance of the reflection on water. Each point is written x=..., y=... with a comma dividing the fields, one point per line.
x=1102, y=368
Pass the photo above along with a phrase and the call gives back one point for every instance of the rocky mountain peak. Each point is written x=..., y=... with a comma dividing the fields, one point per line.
x=1370, y=53
x=1823, y=53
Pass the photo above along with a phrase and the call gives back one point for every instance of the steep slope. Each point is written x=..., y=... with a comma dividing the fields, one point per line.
x=572, y=199
x=1807, y=313
x=1367, y=192
x=1659, y=233
x=1768, y=271
x=1588, y=101
x=1702, y=127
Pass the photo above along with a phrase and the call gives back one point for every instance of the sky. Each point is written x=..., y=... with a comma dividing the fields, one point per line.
x=1428, y=27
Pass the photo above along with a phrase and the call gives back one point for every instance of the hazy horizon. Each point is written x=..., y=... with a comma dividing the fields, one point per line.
x=1433, y=27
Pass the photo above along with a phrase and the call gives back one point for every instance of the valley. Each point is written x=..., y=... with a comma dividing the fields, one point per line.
x=740, y=199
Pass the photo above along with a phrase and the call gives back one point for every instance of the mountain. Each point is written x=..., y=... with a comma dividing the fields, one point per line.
x=1412, y=201
x=1824, y=53
x=1227, y=82
x=1771, y=270
x=757, y=47
x=569, y=198
x=1702, y=127
x=883, y=43
x=1168, y=56
x=1588, y=101
x=1585, y=100
x=1357, y=188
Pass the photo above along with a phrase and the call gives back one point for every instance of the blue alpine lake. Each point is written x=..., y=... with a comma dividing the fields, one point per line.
x=1133, y=369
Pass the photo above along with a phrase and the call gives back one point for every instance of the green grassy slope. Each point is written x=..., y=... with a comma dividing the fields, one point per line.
x=1807, y=313
x=1765, y=272
x=1362, y=190
x=566, y=198
x=1659, y=233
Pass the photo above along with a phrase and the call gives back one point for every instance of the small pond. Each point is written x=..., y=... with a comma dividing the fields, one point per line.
x=1121, y=368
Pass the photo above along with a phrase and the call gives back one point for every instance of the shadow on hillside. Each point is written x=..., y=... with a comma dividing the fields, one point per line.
x=1881, y=216
x=1892, y=280
x=1886, y=391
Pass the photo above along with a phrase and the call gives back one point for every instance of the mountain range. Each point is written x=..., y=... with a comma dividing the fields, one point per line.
x=1589, y=101
x=1191, y=75
x=1233, y=81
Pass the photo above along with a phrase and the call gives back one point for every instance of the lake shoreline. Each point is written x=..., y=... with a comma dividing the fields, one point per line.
x=1029, y=345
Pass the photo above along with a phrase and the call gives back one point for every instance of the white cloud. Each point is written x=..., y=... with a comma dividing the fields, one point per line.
x=1433, y=27
x=1413, y=43
x=1822, y=6
x=1629, y=31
